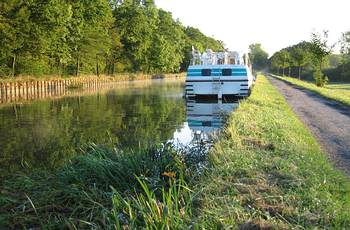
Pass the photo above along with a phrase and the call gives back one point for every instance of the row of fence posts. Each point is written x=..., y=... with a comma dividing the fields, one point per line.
x=17, y=91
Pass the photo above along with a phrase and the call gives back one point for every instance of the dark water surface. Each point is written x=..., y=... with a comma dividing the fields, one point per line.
x=46, y=133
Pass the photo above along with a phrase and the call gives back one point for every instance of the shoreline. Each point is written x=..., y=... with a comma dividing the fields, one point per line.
x=21, y=90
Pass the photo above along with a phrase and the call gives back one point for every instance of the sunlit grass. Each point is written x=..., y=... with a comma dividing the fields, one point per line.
x=335, y=91
x=270, y=172
x=344, y=86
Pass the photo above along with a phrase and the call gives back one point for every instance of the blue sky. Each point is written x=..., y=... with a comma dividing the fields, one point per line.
x=274, y=23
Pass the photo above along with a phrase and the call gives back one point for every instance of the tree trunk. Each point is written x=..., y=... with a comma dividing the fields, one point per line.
x=59, y=69
x=97, y=69
x=299, y=75
x=283, y=71
x=289, y=69
x=78, y=64
x=13, y=65
x=113, y=68
x=107, y=67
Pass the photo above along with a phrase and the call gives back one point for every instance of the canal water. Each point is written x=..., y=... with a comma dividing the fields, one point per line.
x=44, y=134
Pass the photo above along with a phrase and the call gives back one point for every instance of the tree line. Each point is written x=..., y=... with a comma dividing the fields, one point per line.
x=314, y=59
x=68, y=37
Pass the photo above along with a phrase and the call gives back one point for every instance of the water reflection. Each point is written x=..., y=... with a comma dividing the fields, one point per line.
x=204, y=118
x=44, y=134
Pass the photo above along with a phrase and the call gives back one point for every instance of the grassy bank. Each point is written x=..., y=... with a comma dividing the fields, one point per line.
x=338, y=92
x=119, y=77
x=266, y=171
x=270, y=171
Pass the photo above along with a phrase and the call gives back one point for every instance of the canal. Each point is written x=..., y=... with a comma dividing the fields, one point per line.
x=44, y=134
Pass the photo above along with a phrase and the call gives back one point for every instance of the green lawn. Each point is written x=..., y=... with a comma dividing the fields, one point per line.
x=342, y=86
x=335, y=91
x=266, y=172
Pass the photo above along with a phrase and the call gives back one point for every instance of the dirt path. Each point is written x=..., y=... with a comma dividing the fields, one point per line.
x=328, y=120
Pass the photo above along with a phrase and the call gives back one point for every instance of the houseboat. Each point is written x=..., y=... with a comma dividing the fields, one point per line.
x=219, y=74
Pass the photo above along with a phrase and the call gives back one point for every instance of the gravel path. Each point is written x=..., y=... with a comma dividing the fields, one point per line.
x=328, y=120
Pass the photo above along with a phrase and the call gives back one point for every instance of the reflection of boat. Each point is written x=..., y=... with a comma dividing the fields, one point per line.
x=204, y=119
x=208, y=116
x=220, y=75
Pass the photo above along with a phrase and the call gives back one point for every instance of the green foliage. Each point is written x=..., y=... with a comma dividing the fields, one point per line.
x=334, y=60
x=276, y=62
x=320, y=79
x=286, y=60
x=195, y=38
x=297, y=58
x=319, y=50
x=258, y=56
x=73, y=37
x=300, y=56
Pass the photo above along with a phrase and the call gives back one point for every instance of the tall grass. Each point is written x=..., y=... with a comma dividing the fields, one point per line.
x=80, y=194
x=172, y=209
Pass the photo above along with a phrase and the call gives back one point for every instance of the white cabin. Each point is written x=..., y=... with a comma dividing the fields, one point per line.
x=219, y=74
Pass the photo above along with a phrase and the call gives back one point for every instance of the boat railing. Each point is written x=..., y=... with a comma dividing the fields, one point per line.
x=219, y=58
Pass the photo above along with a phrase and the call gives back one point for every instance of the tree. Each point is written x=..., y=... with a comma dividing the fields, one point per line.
x=166, y=54
x=89, y=33
x=300, y=57
x=258, y=56
x=285, y=59
x=195, y=38
x=319, y=50
x=14, y=33
x=276, y=61
x=136, y=25
x=345, y=53
x=69, y=37
x=345, y=44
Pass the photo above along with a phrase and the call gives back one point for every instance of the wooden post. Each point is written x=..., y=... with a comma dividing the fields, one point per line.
x=11, y=91
x=15, y=90
x=5, y=91
x=1, y=91
x=37, y=89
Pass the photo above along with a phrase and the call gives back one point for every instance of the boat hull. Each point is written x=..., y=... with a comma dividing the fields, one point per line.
x=217, y=85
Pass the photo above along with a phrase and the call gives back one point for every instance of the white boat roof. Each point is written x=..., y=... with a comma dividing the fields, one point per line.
x=216, y=66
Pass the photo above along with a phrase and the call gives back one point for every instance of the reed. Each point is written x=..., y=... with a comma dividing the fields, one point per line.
x=92, y=189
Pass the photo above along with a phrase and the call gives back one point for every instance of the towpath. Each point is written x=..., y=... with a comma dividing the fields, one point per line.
x=328, y=120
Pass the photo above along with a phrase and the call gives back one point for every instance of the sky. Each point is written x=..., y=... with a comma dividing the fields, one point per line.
x=273, y=23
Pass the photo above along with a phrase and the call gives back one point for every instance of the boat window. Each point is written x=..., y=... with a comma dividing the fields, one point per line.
x=226, y=72
x=206, y=72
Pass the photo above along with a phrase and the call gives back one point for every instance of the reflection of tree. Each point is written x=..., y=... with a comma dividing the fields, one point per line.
x=47, y=133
